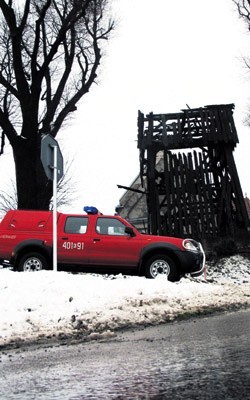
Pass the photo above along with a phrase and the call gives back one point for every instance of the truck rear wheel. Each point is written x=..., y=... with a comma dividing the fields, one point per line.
x=161, y=264
x=32, y=262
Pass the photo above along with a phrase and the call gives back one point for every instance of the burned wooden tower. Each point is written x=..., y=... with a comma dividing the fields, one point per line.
x=188, y=171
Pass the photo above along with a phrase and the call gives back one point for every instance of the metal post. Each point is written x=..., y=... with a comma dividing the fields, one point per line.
x=55, y=209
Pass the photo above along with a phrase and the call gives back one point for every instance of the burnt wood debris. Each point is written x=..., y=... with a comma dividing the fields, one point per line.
x=188, y=172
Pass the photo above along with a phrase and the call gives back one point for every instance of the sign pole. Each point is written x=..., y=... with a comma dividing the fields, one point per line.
x=52, y=161
x=55, y=209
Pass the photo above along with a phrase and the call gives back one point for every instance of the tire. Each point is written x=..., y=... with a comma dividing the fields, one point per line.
x=32, y=262
x=161, y=264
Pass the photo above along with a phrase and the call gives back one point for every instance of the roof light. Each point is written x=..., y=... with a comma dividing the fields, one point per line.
x=90, y=210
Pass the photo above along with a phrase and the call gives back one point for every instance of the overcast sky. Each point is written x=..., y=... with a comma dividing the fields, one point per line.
x=163, y=55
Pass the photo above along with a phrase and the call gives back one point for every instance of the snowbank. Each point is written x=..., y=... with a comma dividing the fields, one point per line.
x=47, y=304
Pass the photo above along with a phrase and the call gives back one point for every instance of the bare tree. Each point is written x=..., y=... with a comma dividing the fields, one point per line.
x=243, y=7
x=66, y=188
x=66, y=192
x=8, y=199
x=49, y=55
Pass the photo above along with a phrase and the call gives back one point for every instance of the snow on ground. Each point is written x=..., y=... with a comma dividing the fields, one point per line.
x=47, y=304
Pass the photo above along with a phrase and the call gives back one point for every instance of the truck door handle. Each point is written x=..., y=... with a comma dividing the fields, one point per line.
x=96, y=240
x=65, y=238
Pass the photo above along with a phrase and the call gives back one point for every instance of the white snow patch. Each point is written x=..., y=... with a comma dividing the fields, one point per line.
x=49, y=304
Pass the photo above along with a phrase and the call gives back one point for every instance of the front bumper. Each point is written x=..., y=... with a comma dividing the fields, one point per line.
x=192, y=262
x=201, y=264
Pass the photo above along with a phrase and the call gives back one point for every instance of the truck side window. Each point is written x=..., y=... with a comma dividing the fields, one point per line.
x=110, y=226
x=76, y=225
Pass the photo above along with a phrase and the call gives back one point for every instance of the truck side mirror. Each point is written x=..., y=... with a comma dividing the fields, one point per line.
x=129, y=231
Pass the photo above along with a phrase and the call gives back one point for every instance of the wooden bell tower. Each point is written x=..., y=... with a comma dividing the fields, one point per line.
x=189, y=174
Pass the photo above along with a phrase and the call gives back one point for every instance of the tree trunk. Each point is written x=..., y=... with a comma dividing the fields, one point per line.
x=34, y=190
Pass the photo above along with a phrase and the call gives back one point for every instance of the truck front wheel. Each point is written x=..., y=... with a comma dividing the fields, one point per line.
x=31, y=262
x=161, y=264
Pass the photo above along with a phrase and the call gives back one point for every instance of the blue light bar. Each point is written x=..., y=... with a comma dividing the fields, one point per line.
x=90, y=210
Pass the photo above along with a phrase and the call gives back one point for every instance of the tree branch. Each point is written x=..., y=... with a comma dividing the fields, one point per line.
x=70, y=20
x=69, y=59
x=16, y=35
x=7, y=127
x=39, y=22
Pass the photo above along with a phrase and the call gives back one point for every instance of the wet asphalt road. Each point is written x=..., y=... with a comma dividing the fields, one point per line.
x=202, y=358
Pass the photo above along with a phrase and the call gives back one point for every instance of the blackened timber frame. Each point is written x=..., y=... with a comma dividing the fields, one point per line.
x=196, y=191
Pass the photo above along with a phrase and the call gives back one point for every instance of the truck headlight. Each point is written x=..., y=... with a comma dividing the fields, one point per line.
x=191, y=245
